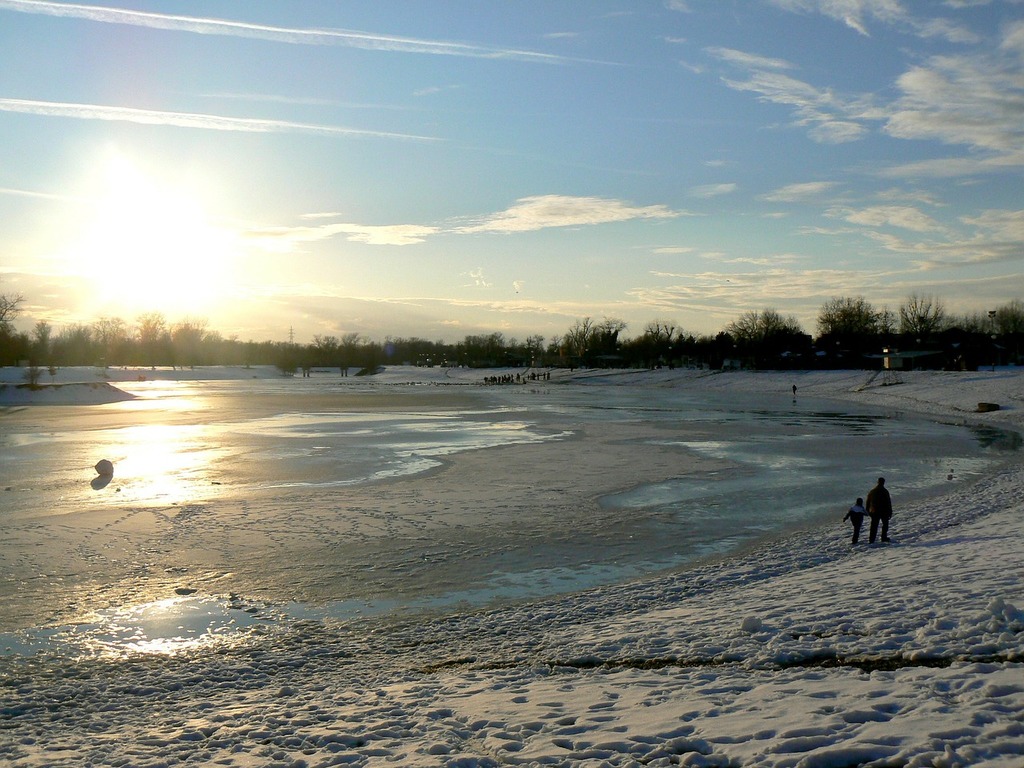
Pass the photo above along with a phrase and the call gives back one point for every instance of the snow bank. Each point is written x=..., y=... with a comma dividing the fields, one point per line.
x=61, y=394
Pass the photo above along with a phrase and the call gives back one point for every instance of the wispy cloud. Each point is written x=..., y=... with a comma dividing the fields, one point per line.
x=712, y=190
x=283, y=239
x=434, y=89
x=1013, y=38
x=1002, y=226
x=828, y=118
x=856, y=14
x=992, y=236
x=902, y=216
x=909, y=196
x=527, y=215
x=187, y=119
x=971, y=100
x=294, y=36
x=546, y=211
x=748, y=60
x=36, y=195
x=796, y=193
x=952, y=167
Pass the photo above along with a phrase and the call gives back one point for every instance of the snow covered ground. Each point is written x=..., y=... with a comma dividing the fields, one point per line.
x=801, y=652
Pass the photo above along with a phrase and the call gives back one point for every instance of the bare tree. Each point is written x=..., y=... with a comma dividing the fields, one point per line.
x=10, y=306
x=655, y=344
x=579, y=337
x=154, y=338
x=326, y=348
x=847, y=316
x=535, y=348
x=349, y=345
x=41, y=334
x=922, y=316
x=972, y=322
x=757, y=327
x=111, y=333
x=660, y=331
x=187, y=337
x=886, y=321
x=75, y=345
x=1009, y=318
x=606, y=335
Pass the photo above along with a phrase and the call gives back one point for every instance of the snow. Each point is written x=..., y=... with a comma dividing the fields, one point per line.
x=801, y=652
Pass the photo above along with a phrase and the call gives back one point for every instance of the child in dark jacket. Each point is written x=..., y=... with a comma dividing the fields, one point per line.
x=856, y=517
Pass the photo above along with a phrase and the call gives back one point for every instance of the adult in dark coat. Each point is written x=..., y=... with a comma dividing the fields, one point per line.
x=879, y=506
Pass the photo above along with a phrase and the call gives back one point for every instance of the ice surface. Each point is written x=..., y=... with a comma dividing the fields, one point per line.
x=801, y=652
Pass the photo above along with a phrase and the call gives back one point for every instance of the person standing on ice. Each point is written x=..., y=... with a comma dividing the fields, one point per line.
x=856, y=518
x=879, y=509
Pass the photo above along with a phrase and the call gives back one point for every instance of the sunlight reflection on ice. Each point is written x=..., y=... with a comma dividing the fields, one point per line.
x=164, y=627
x=160, y=395
x=164, y=462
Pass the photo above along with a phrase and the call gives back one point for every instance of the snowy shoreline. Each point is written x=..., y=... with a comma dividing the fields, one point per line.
x=797, y=652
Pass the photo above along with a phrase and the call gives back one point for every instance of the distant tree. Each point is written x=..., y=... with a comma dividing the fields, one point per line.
x=556, y=349
x=845, y=316
x=349, y=349
x=971, y=322
x=153, y=338
x=655, y=345
x=921, y=316
x=1009, y=318
x=717, y=348
x=13, y=346
x=886, y=322
x=753, y=328
x=187, y=341
x=479, y=351
x=112, y=336
x=764, y=336
x=325, y=349
x=41, y=334
x=605, y=340
x=287, y=357
x=661, y=331
x=10, y=306
x=74, y=345
x=535, y=349
x=579, y=338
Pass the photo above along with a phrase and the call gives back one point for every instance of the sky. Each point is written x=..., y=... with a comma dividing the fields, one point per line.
x=397, y=168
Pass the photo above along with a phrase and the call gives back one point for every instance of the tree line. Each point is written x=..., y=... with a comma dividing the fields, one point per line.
x=850, y=333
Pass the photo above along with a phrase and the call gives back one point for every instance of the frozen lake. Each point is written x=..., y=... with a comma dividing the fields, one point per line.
x=332, y=500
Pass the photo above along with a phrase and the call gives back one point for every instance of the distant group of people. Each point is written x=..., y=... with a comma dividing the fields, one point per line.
x=878, y=508
x=518, y=378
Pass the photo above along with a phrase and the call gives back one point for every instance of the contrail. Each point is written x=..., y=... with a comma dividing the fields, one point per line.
x=188, y=119
x=343, y=37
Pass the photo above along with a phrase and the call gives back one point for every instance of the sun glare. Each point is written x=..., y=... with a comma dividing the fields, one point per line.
x=150, y=245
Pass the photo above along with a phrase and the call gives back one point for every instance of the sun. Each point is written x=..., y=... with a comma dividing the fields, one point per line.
x=149, y=243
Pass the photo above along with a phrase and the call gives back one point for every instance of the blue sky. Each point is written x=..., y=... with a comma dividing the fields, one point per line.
x=448, y=168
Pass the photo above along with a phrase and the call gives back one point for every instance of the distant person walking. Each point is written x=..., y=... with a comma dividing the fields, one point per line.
x=856, y=518
x=879, y=508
